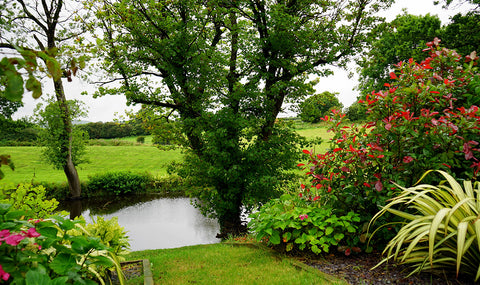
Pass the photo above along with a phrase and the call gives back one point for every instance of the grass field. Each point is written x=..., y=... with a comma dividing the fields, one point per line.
x=227, y=264
x=136, y=158
x=29, y=164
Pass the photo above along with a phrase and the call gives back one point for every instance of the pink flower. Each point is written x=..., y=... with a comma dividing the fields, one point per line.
x=3, y=275
x=32, y=232
x=303, y=217
x=4, y=234
x=14, y=240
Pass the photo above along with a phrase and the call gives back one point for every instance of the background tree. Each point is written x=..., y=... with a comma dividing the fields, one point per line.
x=42, y=30
x=226, y=68
x=462, y=33
x=356, y=112
x=49, y=118
x=318, y=106
x=8, y=108
x=399, y=40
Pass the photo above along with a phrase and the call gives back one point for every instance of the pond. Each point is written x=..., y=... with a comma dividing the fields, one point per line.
x=152, y=222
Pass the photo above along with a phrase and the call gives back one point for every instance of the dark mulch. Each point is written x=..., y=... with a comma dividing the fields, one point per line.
x=356, y=270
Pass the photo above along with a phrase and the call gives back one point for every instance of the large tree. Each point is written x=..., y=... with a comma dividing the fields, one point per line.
x=226, y=67
x=43, y=30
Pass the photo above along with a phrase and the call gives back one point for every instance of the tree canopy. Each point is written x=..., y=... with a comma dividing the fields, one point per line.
x=319, y=105
x=226, y=68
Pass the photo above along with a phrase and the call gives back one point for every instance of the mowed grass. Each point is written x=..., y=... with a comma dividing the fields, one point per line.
x=140, y=158
x=136, y=158
x=226, y=263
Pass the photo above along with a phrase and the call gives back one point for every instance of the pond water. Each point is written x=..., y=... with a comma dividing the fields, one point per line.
x=157, y=223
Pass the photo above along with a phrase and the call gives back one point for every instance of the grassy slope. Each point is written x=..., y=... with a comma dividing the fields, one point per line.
x=29, y=165
x=135, y=158
x=227, y=264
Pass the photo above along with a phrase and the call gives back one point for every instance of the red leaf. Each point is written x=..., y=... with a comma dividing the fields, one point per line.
x=393, y=75
x=378, y=186
x=306, y=151
x=300, y=164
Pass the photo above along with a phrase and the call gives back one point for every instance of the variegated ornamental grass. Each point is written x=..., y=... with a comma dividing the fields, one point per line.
x=441, y=229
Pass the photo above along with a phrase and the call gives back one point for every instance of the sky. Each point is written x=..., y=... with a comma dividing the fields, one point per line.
x=109, y=108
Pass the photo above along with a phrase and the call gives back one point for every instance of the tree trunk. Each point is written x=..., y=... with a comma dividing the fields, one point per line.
x=68, y=167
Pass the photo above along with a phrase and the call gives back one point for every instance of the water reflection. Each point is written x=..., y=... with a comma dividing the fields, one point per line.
x=160, y=223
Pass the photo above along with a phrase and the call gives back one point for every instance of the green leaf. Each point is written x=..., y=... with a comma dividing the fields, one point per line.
x=328, y=231
x=13, y=86
x=53, y=68
x=35, y=86
x=63, y=263
x=37, y=278
x=48, y=231
x=275, y=238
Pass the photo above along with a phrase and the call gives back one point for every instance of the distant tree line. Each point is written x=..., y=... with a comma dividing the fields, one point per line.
x=19, y=132
x=111, y=130
x=25, y=132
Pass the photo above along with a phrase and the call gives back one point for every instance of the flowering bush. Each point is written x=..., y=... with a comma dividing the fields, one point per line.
x=301, y=223
x=41, y=250
x=427, y=118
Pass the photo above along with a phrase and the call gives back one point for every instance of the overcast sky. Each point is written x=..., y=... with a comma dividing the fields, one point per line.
x=108, y=108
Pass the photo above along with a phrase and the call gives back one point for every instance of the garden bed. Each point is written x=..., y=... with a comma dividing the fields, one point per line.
x=356, y=270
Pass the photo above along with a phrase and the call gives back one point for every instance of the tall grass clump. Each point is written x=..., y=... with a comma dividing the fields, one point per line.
x=440, y=228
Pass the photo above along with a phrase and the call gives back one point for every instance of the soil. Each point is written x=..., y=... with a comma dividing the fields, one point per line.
x=356, y=270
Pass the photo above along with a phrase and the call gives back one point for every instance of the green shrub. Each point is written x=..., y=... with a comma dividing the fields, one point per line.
x=298, y=223
x=29, y=198
x=441, y=227
x=141, y=139
x=120, y=183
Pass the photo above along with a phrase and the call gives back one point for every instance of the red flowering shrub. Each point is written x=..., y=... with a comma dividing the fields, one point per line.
x=427, y=118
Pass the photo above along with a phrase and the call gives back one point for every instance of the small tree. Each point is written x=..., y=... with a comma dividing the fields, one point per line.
x=52, y=137
x=318, y=105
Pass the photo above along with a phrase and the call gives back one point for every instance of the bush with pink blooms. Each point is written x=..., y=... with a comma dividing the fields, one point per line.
x=426, y=118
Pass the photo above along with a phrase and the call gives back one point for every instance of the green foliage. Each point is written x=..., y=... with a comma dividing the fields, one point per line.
x=53, y=136
x=318, y=106
x=29, y=198
x=463, y=33
x=18, y=132
x=428, y=118
x=399, y=40
x=141, y=139
x=299, y=223
x=40, y=250
x=440, y=228
x=110, y=233
x=111, y=130
x=120, y=183
x=11, y=78
x=228, y=84
x=8, y=108
x=356, y=112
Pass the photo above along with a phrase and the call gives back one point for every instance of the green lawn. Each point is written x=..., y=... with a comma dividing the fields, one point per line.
x=227, y=263
x=29, y=164
x=136, y=158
